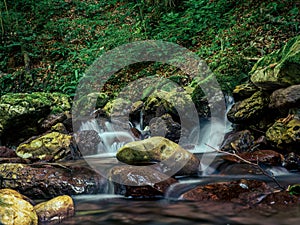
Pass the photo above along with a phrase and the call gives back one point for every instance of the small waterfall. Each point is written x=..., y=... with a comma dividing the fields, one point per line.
x=111, y=140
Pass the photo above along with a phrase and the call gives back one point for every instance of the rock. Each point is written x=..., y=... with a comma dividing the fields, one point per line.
x=244, y=91
x=285, y=134
x=286, y=97
x=55, y=210
x=23, y=111
x=7, y=152
x=280, y=68
x=280, y=200
x=60, y=128
x=52, y=145
x=118, y=107
x=15, y=209
x=292, y=162
x=140, y=181
x=268, y=157
x=87, y=142
x=241, y=191
x=50, y=180
x=52, y=120
x=249, y=109
x=158, y=149
x=165, y=126
x=241, y=141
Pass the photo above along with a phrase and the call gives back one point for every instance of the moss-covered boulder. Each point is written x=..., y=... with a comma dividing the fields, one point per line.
x=244, y=91
x=24, y=111
x=53, y=145
x=15, y=209
x=280, y=68
x=249, y=109
x=55, y=210
x=159, y=149
x=285, y=134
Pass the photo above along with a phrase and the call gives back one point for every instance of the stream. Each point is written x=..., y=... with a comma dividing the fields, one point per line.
x=108, y=208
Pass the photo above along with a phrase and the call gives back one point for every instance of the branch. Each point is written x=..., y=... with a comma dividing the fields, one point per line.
x=250, y=163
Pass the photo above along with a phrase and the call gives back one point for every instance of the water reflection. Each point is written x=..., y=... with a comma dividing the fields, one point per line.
x=112, y=211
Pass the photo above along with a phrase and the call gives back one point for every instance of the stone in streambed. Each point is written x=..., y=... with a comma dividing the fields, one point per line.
x=241, y=141
x=172, y=157
x=241, y=191
x=285, y=134
x=15, y=209
x=52, y=145
x=50, y=180
x=137, y=181
x=55, y=210
x=249, y=109
x=268, y=157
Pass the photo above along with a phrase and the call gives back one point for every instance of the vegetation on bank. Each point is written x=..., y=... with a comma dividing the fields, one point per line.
x=47, y=45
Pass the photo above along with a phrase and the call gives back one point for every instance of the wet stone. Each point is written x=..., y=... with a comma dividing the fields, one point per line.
x=138, y=182
x=55, y=210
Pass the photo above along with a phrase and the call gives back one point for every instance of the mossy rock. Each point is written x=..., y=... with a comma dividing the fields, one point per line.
x=285, y=134
x=280, y=68
x=159, y=149
x=15, y=209
x=244, y=91
x=118, y=107
x=249, y=109
x=52, y=145
x=23, y=111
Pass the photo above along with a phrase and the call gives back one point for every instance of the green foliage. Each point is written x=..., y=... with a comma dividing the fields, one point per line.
x=61, y=38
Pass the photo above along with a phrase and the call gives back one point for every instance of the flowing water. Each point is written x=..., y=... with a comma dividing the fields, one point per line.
x=113, y=209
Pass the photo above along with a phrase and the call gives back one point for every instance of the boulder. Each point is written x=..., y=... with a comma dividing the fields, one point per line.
x=23, y=112
x=50, y=180
x=238, y=142
x=249, y=109
x=171, y=156
x=135, y=181
x=165, y=126
x=286, y=97
x=15, y=209
x=55, y=210
x=53, y=145
x=280, y=68
x=242, y=191
x=285, y=134
x=244, y=91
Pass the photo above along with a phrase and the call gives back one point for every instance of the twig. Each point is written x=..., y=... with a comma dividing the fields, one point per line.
x=250, y=163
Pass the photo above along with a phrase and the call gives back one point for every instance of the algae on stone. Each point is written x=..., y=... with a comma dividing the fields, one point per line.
x=280, y=68
x=54, y=144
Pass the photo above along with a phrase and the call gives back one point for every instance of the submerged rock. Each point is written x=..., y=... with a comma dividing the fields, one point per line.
x=158, y=149
x=50, y=180
x=55, y=210
x=140, y=182
x=52, y=145
x=280, y=68
x=249, y=109
x=15, y=209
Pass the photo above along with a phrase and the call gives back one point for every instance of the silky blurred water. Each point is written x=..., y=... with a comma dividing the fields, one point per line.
x=113, y=211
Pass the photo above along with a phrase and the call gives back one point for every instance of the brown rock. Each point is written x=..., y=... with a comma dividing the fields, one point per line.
x=140, y=181
x=268, y=157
